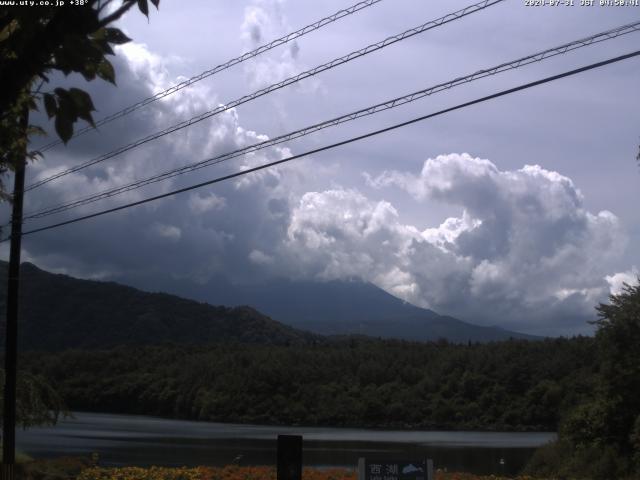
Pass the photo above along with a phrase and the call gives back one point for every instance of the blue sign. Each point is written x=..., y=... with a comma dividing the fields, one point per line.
x=372, y=469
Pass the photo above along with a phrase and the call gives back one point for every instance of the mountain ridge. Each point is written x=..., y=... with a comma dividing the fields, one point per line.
x=59, y=312
x=103, y=314
x=337, y=307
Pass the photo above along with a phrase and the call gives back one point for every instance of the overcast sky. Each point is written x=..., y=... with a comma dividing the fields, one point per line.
x=520, y=212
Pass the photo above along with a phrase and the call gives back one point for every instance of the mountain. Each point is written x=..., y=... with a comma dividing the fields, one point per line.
x=59, y=312
x=338, y=308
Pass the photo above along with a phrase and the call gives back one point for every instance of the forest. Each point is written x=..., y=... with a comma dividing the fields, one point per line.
x=513, y=385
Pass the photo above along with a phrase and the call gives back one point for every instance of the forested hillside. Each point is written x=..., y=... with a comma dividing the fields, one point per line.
x=513, y=385
x=59, y=312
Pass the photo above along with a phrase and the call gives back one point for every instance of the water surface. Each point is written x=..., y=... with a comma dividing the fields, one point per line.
x=141, y=440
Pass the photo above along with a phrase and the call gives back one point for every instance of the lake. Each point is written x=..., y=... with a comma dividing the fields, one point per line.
x=141, y=440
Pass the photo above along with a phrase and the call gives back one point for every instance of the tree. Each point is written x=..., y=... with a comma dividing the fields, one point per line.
x=610, y=418
x=618, y=339
x=38, y=403
x=601, y=437
x=37, y=41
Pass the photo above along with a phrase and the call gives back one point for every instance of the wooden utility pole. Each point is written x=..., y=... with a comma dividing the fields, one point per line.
x=11, y=334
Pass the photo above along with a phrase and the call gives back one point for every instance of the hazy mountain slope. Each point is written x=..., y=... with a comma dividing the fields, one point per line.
x=339, y=307
x=59, y=312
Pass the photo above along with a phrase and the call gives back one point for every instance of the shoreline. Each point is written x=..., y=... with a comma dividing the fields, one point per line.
x=390, y=428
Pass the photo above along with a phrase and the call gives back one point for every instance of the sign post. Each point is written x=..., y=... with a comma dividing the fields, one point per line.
x=373, y=469
x=289, y=457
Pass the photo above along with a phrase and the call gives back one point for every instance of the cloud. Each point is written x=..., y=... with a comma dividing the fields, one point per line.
x=524, y=249
x=617, y=281
x=200, y=203
x=260, y=258
x=194, y=235
x=264, y=21
x=342, y=234
x=145, y=66
x=170, y=232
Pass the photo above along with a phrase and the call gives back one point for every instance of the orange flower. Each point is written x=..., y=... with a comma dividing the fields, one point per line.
x=234, y=472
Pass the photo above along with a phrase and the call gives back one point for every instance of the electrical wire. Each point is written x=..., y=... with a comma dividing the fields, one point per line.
x=276, y=86
x=224, y=66
x=389, y=104
x=337, y=144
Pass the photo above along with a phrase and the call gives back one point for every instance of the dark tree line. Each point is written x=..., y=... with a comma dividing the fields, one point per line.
x=514, y=385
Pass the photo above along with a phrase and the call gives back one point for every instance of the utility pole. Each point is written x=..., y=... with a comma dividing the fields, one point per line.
x=11, y=335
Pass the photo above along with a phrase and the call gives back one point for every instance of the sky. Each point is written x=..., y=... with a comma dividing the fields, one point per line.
x=519, y=212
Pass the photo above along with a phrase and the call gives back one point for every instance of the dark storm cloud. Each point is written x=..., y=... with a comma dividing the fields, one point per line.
x=526, y=248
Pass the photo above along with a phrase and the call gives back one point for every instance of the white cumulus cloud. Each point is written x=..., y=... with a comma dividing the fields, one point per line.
x=524, y=248
x=617, y=280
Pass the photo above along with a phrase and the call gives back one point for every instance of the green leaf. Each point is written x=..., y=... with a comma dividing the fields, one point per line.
x=50, y=105
x=87, y=117
x=99, y=34
x=144, y=7
x=81, y=99
x=83, y=104
x=115, y=35
x=66, y=115
x=80, y=54
x=36, y=130
x=77, y=54
x=89, y=71
x=103, y=45
x=61, y=93
x=106, y=72
x=64, y=126
x=31, y=103
x=8, y=30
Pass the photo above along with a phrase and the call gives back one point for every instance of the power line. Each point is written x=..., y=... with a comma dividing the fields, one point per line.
x=276, y=86
x=389, y=104
x=224, y=66
x=338, y=144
